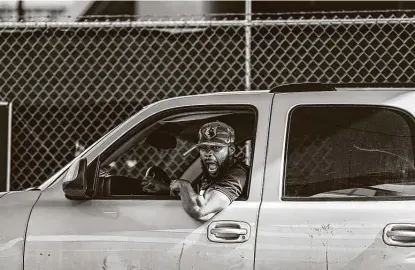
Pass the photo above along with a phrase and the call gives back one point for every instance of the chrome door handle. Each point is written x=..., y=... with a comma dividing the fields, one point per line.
x=229, y=231
x=399, y=235
x=402, y=235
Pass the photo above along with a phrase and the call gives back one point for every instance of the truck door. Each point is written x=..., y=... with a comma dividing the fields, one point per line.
x=152, y=231
x=339, y=188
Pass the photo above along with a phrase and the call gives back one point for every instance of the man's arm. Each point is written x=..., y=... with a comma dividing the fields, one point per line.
x=200, y=207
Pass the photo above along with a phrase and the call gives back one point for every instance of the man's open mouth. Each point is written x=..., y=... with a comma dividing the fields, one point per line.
x=211, y=167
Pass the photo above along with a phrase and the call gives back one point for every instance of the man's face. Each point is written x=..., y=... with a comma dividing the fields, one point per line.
x=215, y=157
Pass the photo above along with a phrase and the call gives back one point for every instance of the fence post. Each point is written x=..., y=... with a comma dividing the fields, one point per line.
x=248, y=8
x=248, y=18
x=5, y=145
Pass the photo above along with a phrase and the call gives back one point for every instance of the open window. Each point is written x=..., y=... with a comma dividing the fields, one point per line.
x=164, y=141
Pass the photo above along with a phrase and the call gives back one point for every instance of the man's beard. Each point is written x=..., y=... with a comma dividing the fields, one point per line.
x=222, y=168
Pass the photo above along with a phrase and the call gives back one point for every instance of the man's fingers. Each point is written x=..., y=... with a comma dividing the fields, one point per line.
x=147, y=181
x=149, y=188
x=174, y=192
x=149, y=185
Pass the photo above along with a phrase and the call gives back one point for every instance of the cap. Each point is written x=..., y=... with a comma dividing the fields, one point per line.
x=214, y=134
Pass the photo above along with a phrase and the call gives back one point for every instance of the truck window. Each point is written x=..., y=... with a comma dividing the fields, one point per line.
x=168, y=144
x=349, y=152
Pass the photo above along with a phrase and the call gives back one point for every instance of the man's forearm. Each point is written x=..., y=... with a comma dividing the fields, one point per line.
x=191, y=202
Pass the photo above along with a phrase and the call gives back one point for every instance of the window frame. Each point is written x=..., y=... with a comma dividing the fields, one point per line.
x=406, y=115
x=167, y=113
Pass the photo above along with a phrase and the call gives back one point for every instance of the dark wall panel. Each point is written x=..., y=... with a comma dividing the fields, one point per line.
x=4, y=146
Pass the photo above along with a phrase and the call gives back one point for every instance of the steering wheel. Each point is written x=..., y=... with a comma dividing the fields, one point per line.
x=158, y=173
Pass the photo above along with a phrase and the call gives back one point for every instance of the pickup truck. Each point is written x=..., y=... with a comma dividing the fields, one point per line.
x=331, y=186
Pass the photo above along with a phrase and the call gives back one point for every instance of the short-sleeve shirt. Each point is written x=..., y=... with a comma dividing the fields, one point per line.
x=230, y=183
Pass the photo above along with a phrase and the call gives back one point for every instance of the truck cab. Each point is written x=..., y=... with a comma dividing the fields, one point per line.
x=330, y=186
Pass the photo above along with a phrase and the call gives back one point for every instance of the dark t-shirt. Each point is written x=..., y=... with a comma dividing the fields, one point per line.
x=231, y=183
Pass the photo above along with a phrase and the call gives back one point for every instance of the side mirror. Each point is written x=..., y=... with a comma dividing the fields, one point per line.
x=78, y=183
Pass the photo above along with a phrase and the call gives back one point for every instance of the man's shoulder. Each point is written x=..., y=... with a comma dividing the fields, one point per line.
x=238, y=166
x=232, y=184
x=238, y=171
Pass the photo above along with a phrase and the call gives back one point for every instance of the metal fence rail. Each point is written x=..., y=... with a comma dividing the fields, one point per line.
x=71, y=82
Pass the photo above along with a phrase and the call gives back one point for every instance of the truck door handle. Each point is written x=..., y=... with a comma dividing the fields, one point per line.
x=402, y=235
x=229, y=231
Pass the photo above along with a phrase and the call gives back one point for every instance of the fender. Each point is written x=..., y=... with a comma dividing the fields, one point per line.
x=15, y=209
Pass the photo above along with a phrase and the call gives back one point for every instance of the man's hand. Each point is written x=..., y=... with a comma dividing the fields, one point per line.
x=155, y=186
x=199, y=207
x=175, y=187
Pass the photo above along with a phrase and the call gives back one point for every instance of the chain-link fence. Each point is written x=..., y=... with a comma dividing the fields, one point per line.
x=72, y=82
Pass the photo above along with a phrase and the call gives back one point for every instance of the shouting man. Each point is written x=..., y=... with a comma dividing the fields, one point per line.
x=223, y=179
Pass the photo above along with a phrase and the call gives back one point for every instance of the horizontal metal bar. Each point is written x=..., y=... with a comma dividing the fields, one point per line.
x=341, y=21
x=204, y=23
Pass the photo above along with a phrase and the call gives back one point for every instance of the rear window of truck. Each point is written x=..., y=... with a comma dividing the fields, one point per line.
x=349, y=152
